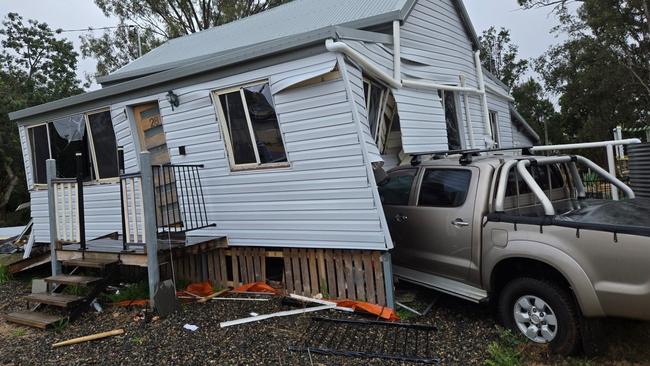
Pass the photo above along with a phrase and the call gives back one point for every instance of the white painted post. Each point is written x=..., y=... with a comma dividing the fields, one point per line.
x=611, y=162
x=50, y=165
x=150, y=230
x=387, y=264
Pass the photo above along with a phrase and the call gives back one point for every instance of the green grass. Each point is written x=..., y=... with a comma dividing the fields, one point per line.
x=5, y=276
x=19, y=332
x=405, y=314
x=134, y=291
x=61, y=325
x=505, y=351
x=138, y=340
x=75, y=290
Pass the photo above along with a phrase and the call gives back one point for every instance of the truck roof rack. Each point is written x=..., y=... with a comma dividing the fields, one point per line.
x=466, y=154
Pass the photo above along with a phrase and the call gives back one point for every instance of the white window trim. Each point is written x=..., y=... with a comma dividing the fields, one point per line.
x=495, y=134
x=31, y=156
x=383, y=100
x=225, y=130
x=94, y=181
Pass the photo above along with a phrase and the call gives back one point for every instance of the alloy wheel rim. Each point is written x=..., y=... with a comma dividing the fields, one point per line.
x=535, y=319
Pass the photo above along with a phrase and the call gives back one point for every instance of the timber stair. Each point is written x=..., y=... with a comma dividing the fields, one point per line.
x=73, y=305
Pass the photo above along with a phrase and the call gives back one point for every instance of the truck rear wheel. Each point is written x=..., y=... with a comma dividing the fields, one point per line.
x=542, y=311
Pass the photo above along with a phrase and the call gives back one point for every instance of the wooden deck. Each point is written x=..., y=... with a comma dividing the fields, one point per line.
x=136, y=255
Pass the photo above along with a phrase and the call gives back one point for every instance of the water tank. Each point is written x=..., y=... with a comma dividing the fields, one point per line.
x=639, y=160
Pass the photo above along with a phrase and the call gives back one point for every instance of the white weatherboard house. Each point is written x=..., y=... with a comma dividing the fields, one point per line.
x=288, y=112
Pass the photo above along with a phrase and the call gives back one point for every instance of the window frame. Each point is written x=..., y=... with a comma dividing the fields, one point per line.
x=495, y=133
x=459, y=116
x=31, y=153
x=420, y=179
x=95, y=178
x=383, y=100
x=225, y=131
x=414, y=184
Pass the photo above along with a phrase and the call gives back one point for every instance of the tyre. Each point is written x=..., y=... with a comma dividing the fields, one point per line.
x=543, y=312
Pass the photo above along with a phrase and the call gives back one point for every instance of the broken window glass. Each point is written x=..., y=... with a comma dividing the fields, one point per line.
x=451, y=118
x=240, y=137
x=104, y=144
x=67, y=139
x=265, y=124
x=40, y=152
x=250, y=120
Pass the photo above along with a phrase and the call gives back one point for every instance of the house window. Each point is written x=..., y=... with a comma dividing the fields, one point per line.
x=494, y=128
x=376, y=96
x=250, y=126
x=64, y=138
x=451, y=117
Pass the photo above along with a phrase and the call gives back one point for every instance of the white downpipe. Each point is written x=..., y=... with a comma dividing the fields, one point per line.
x=423, y=84
x=397, y=51
x=468, y=115
x=363, y=61
x=481, y=86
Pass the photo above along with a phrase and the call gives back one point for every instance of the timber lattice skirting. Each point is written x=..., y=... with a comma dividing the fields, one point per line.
x=342, y=274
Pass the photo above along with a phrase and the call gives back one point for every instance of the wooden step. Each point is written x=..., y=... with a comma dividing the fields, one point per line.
x=60, y=300
x=90, y=263
x=72, y=280
x=33, y=319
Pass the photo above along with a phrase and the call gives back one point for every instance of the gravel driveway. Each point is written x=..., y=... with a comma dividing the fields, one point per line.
x=464, y=331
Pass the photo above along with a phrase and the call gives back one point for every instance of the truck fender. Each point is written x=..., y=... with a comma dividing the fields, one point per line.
x=582, y=287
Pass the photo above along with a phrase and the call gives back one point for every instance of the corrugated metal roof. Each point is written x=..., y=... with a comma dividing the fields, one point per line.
x=296, y=17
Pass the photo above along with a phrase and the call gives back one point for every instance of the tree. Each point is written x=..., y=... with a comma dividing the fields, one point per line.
x=157, y=21
x=499, y=56
x=35, y=68
x=538, y=110
x=601, y=73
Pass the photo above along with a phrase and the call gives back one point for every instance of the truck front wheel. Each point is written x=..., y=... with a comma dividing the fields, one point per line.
x=542, y=311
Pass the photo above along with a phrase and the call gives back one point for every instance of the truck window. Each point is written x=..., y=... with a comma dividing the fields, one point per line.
x=444, y=187
x=397, y=189
x=540, y=174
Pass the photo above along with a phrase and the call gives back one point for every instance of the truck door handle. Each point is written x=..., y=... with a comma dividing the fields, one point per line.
x=401, y=218
x=460, y=223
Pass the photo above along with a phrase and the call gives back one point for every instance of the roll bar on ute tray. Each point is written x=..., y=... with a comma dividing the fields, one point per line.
x=526, y=161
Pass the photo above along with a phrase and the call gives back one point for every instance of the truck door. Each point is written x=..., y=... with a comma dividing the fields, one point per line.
x=435, y=230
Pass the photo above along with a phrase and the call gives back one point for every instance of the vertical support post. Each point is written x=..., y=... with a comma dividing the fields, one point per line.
x=647, y=134
x=481, y=87
x=387, y=264
x=120, y=165
x=149, y=207
x=51, y=200
x=611, y=162
x=80, y=203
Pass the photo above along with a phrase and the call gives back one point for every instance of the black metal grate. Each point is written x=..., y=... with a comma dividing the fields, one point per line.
x=371, y=339
x=178, y=192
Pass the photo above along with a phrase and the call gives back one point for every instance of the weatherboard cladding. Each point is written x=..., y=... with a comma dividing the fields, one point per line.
x=323, y=200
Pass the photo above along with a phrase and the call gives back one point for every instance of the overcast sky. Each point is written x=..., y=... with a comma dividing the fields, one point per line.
x=529, y=28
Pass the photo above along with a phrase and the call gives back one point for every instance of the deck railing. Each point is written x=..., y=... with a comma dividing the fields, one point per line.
x=178, y=199
x=180, y=203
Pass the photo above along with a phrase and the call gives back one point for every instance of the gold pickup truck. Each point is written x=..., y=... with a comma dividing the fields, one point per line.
x=521, y=232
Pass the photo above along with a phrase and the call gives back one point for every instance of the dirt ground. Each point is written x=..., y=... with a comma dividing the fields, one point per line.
x=464, y=333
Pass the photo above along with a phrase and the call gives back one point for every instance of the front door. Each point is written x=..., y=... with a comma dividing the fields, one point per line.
x=150, y=132
x=151, y=137
x=434, y=232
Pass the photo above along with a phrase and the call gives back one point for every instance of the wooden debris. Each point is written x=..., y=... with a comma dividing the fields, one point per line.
x=318, y=301
x=275, y=315
x=216, y=294
x=88, y=338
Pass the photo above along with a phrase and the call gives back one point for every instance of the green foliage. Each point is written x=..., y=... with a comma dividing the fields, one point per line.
x=505, y=351
x=5, y=275
x=19, y=332
x=35, y=67
x=134, y=291
x=61, y=325
x=75, y=290
x=600, y=72
x=499, y=56
x=532, y=103
x=138, y=340
x=405, y=314
x=157, y=21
